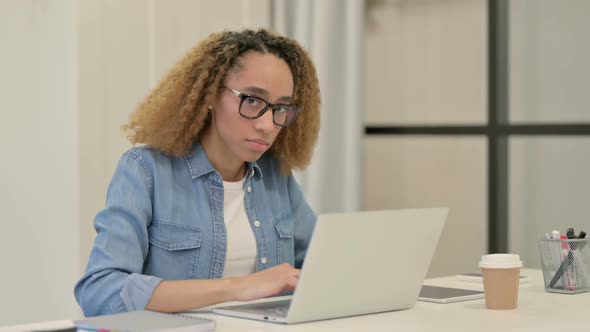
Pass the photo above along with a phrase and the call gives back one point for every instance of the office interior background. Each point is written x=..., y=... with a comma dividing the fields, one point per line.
x=416, y=93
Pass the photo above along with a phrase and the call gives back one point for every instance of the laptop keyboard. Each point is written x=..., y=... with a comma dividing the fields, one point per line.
x=278, y=311
x=274, y=308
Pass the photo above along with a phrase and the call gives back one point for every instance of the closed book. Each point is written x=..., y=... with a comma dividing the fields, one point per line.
x=143, y=320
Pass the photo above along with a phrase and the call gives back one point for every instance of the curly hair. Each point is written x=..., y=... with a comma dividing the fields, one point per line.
x=173, y=116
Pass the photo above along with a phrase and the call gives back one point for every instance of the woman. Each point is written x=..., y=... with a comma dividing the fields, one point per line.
x=207, y=211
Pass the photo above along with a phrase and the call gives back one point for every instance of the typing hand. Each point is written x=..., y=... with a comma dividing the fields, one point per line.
x=269, y=282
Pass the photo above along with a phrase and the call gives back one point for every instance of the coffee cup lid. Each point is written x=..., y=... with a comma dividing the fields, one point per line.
x=500, y=261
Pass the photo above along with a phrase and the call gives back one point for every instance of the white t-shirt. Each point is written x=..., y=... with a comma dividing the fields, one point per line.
x=240, y=257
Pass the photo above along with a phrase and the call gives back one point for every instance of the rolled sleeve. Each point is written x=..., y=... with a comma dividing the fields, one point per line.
x=138, y=290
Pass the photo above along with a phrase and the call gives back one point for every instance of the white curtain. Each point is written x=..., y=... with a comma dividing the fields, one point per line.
x=332, y=31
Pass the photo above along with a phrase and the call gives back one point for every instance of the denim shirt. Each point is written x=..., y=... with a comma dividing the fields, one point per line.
x=163, y=220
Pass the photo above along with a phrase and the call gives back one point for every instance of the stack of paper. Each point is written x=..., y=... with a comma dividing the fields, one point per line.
x=136, y=321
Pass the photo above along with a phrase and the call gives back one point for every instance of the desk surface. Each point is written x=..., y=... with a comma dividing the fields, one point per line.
x=537, y=311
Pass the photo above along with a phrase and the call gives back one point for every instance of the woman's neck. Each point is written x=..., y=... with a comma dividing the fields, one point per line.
x=231, y=169
x=231, y=175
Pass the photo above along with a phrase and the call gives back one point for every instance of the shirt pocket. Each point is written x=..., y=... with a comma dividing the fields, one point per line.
x=285, y=245
x=174, y=250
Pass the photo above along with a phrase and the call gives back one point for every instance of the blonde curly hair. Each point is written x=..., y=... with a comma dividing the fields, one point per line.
x=174, y=114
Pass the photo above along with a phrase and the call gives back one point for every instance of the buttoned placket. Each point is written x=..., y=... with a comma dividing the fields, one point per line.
x=254, y=221
x=219, y=230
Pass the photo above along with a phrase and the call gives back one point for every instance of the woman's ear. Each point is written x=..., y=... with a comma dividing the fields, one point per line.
x=210, y=101
x=210, y=108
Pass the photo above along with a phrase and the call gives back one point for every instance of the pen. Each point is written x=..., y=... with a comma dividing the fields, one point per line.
x=566, y=262
x=563, y=268
x=566, y=255
x=570, y=233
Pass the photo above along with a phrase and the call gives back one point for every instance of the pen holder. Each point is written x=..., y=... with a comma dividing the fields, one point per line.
x=566, y=265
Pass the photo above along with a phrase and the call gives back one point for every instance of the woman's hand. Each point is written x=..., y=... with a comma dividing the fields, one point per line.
x=269, y=282
x=182, y=295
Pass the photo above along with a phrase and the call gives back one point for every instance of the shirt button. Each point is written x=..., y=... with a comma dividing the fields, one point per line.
x=257, y=223
x=249, y=189
x=263, y=260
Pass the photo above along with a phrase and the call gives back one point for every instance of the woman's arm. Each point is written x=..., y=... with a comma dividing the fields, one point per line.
x=183, y=295
x=113, y=281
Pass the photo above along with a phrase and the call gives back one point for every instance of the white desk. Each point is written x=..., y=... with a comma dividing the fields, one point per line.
x=537, y=311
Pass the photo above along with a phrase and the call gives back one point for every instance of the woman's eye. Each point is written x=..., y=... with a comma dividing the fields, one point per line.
x=252, y=101
x=285, y=108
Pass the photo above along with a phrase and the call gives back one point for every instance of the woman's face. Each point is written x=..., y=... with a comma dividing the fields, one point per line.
x=259, y=75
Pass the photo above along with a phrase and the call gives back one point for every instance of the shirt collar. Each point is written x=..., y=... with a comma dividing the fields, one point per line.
x=199, y=165
x=253, y=169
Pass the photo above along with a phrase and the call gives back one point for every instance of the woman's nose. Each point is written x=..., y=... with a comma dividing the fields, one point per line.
x=265, y=122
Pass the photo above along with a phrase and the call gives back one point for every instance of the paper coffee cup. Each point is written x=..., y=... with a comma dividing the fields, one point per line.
x=501, y=279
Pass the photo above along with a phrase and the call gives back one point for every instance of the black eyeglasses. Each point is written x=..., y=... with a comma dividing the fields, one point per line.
x=253, y=107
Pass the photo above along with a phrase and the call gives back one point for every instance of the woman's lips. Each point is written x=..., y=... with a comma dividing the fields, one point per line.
x=258, y=145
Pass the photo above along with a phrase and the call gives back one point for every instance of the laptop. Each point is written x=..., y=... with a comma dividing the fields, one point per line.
x=357, y=263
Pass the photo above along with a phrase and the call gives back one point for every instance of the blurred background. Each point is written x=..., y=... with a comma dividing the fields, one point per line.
x=477, y=105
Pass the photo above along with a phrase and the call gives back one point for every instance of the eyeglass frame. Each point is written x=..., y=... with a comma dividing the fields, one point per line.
x=268, y=106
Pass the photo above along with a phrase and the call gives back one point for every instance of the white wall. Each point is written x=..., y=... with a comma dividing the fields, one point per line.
x=426, y=65
x=549, y=73
x=549, y=189
x=549, y=61
x=427, y=62
x=72, y=71
x=40, y=166
x=423, y=171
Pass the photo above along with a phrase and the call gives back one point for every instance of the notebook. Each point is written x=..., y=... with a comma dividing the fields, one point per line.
x=143, y=320
x=357, y=263
x=438, y=294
